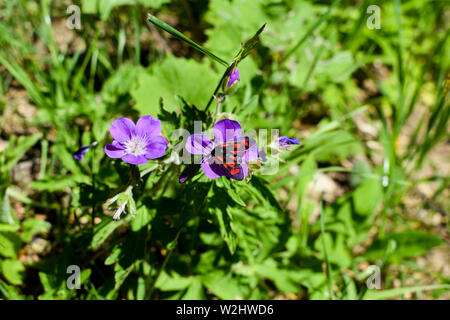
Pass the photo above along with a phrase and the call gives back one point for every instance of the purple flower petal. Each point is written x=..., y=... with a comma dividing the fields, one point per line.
x=79, y=154
x=115, y=150
x=132, y=159
x=198, y=144
x=262, y=155
x=251, y=153
x=156, y=147
x=122, y=129
x=234, y=76
x=285, y=141
x=213, y=170
x=226, y=129
x=148, y=126
x=244, y=167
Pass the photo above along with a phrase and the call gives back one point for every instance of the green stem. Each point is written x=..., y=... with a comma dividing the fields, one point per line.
x=137, y=41
x=163, y=266
x=325, y=253
x=216, y=90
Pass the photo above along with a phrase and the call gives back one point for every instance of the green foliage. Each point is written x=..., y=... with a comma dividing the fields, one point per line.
x=192, y=80
x=368, y=106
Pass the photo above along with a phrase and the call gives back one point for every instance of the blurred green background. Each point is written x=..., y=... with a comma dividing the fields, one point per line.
x=369, y=184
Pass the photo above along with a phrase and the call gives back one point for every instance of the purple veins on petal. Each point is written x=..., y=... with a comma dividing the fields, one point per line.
x=285, y=141
x=226, y=129
x=234, y=76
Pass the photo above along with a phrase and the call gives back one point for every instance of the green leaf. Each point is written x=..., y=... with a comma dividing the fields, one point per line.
x=190, y=79
x=6, y=215
x=66, y=159
x=224, y=285
x=142, y=219
x=226, y=228
x=367, y=196
x=15, y=151
x=230, y=189
x=114, y=256
x=59, y=182
x=13, y=271
x=408, y=244
x=195, y=291
x=9, y=244
x=172, y=282
x=103, y=230
x=33, y=226
x=121, y=275
x=283, y=279
x=120, y=83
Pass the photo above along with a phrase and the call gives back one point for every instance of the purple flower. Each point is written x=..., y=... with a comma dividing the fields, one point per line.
x=234, y=76
x=79, y=154
x=135, y=144
x=285, y=141
x=226, y=155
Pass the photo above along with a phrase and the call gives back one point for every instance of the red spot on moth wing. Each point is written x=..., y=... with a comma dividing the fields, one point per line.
x=234, y=171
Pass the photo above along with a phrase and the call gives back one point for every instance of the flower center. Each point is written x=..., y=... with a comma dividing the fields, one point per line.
x=135, y=146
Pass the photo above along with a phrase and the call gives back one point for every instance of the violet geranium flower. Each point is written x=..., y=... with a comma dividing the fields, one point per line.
x=226, y=155
x=135, y=144
x=234, y=76
x=285, y=141
x=79, y=154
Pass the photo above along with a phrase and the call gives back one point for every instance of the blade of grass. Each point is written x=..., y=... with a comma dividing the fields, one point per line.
x=161, y=24
x=137, y=35
x=325, y=253
x=22, y=77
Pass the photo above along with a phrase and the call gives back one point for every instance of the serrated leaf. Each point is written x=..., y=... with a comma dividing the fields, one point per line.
x=193, y=80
